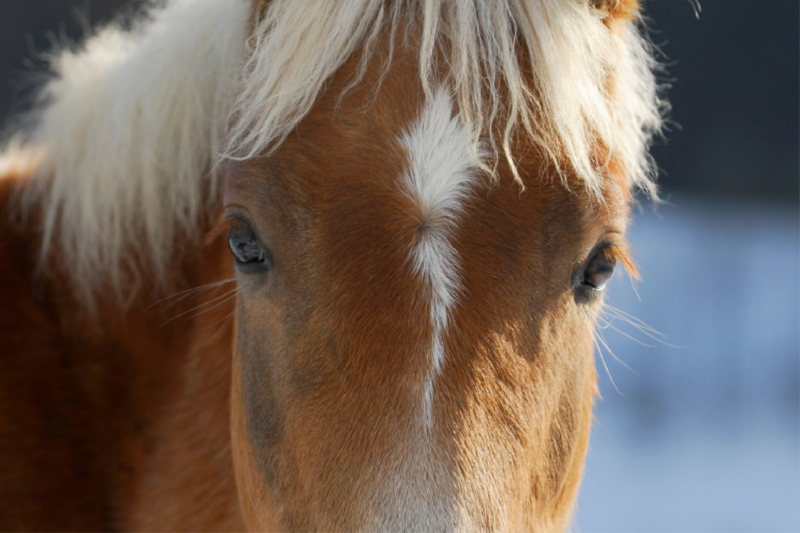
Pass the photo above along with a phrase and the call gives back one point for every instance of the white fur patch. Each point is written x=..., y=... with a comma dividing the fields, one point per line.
x=441, y=173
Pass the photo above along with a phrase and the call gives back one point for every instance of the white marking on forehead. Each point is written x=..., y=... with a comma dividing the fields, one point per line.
x=442, y=164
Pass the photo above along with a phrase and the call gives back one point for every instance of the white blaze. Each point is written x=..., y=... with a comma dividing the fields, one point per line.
x=441, y=173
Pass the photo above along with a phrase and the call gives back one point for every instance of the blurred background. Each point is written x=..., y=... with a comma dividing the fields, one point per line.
x=698, y=428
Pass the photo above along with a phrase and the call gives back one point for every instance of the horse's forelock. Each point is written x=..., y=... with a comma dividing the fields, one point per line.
x=590, y=90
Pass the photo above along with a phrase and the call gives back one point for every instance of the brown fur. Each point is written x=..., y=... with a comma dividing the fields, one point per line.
x=89, y=409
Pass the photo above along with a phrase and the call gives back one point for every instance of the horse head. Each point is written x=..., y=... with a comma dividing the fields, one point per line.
x=423, y=202
x=415, y=311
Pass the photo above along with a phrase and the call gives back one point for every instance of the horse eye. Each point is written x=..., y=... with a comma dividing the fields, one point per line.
x=250, y=255
x=598, y=271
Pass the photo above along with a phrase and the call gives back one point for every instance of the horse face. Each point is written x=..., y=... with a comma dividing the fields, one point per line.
x=414, y=341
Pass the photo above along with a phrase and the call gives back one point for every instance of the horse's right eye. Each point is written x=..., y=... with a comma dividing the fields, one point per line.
x=250, y=255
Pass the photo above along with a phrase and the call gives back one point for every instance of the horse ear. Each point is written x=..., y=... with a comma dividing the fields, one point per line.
x=617, y=9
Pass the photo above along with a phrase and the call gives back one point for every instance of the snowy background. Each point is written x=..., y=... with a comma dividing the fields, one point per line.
x=703, y=433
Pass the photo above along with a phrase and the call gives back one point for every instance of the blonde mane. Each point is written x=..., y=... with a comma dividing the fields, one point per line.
x=132, y=125
x=128, y=130
x=570, y=110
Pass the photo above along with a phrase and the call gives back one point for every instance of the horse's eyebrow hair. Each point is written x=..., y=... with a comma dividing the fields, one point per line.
x=621, y=252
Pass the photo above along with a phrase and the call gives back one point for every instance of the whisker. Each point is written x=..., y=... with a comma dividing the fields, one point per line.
x=632, y=320
x=613, y=355
x=608, y=324
x=641, y=326
x=231, y=295
x=182, y=295
x=225, y=297
x=635, y=288
x=603, y=359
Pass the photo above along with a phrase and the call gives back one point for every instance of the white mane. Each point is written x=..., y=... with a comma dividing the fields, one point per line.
x=130, y=129
x=133, y=121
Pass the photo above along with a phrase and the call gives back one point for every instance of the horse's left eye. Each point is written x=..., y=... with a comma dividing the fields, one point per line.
x=250, y=255
x=598, y=270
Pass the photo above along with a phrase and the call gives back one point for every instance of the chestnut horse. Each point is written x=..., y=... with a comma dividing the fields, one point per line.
x=330, y=265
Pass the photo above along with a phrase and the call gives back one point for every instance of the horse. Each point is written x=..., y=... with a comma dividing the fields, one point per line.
x=317, y=266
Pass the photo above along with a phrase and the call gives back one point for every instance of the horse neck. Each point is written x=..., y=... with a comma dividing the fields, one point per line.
x=142, y=396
